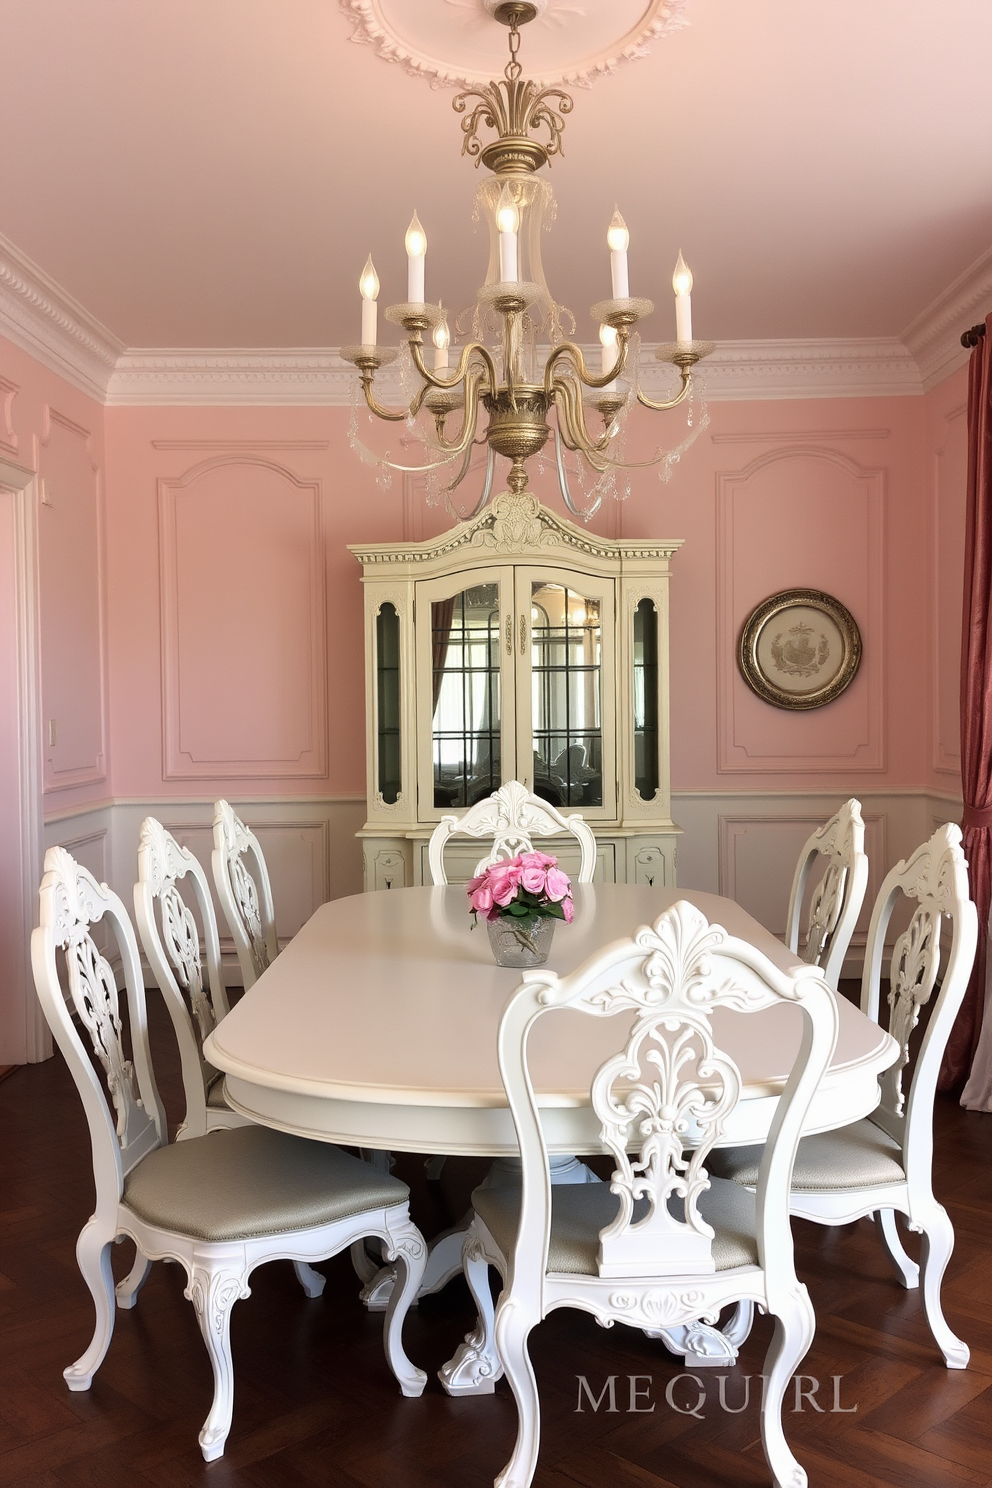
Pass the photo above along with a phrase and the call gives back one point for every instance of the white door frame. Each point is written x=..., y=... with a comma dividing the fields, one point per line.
x=23, y=484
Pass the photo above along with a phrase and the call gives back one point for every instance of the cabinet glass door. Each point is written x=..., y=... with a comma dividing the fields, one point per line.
x=566, y=745
x=465, y=707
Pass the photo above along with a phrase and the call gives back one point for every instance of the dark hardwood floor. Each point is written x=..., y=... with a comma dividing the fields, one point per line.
x=315, y=1403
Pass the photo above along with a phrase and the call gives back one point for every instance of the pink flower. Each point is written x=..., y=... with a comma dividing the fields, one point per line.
x=533, y=876
x=558, y=884
x=537, y=860
x=567, y=910
x=504, y=880
x=481, y=896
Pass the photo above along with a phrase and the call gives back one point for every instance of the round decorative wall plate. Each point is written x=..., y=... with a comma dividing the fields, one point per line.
x=457, y=43
x=799, y=649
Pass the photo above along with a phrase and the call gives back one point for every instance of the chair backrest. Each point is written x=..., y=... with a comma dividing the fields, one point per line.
x=668, y=1088
x=512, y=816
x=936, y=879
x=71, y=901
x=244, y=893
x=193, y=993
x=839, y=895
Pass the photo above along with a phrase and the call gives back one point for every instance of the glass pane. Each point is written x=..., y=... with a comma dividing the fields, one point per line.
x=387, y=663
x=566, y=642
x=465, y=677
x=646, y=700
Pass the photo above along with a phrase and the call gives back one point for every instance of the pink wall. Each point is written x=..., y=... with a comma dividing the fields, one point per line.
x=229, y=582
x=57, y=431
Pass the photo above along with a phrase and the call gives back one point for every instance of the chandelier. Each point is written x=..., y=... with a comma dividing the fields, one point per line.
x=501, y=368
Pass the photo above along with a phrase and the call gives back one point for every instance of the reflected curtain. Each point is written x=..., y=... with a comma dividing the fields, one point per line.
x=442, y=614
x=969, y=1054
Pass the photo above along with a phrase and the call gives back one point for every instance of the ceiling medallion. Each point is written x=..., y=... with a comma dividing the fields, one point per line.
x=450, y=42
x=516, y=365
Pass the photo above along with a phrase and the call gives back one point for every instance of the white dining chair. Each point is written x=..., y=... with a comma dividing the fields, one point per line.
x=513, y=817
x=838, y=850
x=194, y=994
x=219, y=1204
x=882, y=1164
x=244, y=893
x=662, y=1244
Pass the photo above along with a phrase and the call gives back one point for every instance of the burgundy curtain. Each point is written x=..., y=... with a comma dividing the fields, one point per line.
x=442, y=614
x=976, y=713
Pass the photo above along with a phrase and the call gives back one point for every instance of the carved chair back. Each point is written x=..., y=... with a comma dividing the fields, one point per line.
x=244, y=893
x=193, y=991
x=839, y=895
x=935, y=880
x=71, y=902
x=512, y=816
x=669, y=1088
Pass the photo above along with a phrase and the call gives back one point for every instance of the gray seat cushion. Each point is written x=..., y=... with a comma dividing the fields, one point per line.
x=250, y=1181
x=857, y=1156
x=215, y=1095
x=580, y=1210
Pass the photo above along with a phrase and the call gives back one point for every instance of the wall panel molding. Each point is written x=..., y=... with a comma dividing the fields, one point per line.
x=180, y=760
x=56, y=777
x=734, y=698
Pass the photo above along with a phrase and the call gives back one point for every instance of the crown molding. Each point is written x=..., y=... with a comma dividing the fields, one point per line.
x=934, y=337
x=41, y=318
x=738, y=370
x=743, y=371
x=37, y=315
x=299, y=376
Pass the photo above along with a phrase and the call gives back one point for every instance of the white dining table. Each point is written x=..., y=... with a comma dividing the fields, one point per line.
x=376, y=1027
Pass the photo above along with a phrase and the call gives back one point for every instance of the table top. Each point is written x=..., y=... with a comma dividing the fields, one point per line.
x=377, y=1025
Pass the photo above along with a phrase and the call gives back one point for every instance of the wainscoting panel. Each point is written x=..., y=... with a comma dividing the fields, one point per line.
x=800, y=517
x=243, y=622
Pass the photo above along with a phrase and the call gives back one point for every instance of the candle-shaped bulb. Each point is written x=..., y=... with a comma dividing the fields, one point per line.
x=682, y=278
x=508, y=225
x=442, y=340
x=416, y=239
x=368, y=284
x=507, y=212
x=416, y=252
x=682, y=284
x=617, y=235
x=618, y=238
x=608, y=356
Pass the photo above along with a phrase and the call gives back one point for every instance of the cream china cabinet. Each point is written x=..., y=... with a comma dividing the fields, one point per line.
x=518, y=647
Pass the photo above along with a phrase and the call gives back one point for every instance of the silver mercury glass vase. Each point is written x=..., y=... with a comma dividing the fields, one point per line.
x=524, y=945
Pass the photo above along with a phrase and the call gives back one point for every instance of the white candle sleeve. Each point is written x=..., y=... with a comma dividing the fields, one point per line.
x=370, y=317
x=618, y=268
x=683, y=317
x=508, y=257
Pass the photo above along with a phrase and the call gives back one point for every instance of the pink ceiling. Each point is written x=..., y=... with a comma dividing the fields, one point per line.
x=214, y=174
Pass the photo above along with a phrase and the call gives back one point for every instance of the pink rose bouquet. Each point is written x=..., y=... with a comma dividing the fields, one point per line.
x=522, y=889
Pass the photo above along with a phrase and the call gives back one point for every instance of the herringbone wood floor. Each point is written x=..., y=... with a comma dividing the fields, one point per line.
x=315, y=1403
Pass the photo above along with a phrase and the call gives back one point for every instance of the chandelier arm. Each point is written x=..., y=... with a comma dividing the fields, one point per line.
x=686, y=376
x=470, y=419
x=579, y=437
x=574, y=353
x=389, y=413
x=565, y=489
x=461, y=371
x=487, y=484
